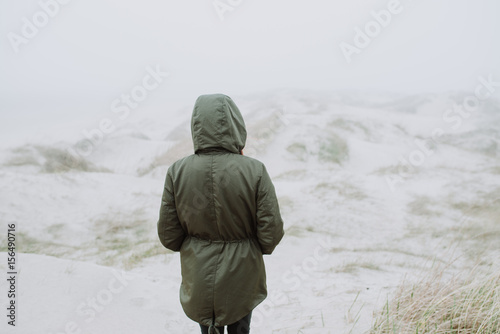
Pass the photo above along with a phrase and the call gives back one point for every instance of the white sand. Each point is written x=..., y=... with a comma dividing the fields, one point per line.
x=349, y=239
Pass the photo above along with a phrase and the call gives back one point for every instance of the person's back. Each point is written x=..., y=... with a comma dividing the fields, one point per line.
x=219, y=209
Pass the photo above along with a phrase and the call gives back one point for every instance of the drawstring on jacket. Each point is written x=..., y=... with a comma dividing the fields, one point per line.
x=213, y=330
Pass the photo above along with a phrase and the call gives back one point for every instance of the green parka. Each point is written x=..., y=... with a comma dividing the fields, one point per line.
x=219, y=209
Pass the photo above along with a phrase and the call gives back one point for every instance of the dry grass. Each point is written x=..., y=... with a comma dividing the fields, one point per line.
x=296, y=174
x=354, y=267
x=181, y=149
x=298, y=150
x=424, y=206
x=50, y=159
x=466, y=303
x=483, y=141
x=121, y=240
x=344, y=188
x=354, y=127
x=262, y=132
x=333, y=149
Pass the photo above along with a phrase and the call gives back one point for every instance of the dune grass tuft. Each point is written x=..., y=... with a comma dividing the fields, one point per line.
x=333, y=149
x=463, y=304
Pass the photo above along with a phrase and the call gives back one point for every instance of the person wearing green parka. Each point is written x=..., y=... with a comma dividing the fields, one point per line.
x=219, y=210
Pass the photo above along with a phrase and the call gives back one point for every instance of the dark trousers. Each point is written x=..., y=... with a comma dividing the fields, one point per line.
x=241, y=326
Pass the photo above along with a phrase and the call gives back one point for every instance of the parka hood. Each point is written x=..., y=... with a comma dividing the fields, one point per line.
x=217, y=123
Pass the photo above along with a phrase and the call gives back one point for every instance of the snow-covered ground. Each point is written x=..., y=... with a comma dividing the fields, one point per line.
x=372, y=189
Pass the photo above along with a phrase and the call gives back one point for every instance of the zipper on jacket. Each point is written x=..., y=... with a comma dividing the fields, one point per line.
x=213, y=196
x=212, y=326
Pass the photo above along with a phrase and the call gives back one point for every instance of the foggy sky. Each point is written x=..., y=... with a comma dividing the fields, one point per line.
x=91, y=52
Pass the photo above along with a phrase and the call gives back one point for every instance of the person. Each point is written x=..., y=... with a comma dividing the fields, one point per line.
x=220, y=211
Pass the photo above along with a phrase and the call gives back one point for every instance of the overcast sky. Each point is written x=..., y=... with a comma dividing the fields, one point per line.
x=90, y=52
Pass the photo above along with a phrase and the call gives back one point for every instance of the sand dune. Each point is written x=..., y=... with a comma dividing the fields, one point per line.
x=368, y=195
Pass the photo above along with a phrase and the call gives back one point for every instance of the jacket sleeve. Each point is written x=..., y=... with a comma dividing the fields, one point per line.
x=269, y=222
x=170, y=231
